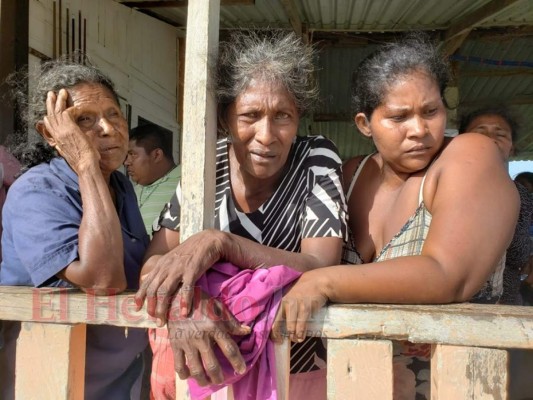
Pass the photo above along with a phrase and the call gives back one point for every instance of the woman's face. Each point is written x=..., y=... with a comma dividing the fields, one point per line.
x=99, y=116
x=408, y=126
x=496, y=128
x=263, y=122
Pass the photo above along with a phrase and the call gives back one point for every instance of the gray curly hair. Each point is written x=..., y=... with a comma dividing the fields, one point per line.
x=53, y=75
x=271, y=56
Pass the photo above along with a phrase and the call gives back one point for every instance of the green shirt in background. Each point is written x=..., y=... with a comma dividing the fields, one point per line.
x=152, y=198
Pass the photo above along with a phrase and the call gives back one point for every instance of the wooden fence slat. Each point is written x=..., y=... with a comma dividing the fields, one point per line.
x=360, y=369
x=282, y=353
x=50, y=362
x=468, y=373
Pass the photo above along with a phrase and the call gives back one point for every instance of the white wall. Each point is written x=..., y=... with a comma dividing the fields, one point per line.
x=138, y=52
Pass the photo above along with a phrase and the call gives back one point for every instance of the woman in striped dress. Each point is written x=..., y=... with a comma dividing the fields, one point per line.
x=279, y=201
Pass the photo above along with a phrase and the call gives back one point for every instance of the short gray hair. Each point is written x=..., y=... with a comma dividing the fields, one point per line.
x=271, y=56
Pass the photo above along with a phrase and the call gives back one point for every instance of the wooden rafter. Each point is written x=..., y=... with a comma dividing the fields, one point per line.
x=491, y=72
x=183, y=3
x=518, y=100
x=292, y=14
x=456, y=34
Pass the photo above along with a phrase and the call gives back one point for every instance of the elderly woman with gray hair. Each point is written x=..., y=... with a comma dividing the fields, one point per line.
x=71, y=220
x=279, y=201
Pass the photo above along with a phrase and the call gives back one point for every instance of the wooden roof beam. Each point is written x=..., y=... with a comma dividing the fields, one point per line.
x=183, y=3
x=456, y=34
x=519, y=100
x=292, y=14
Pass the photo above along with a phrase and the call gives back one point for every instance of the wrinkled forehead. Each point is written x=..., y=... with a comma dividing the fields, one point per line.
x=489, y=120
x=90, y=93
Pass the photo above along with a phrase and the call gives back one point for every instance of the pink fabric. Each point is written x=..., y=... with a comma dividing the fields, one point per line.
x=253, y=297
x=308, y=385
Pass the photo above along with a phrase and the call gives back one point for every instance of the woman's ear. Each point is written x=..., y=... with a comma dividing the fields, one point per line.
x=363, y=124
x=41, y=128
x=223, y=125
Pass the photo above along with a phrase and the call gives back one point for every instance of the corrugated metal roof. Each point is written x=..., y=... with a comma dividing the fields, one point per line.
x=481, y=83
x=362, y=21
x=357, y=15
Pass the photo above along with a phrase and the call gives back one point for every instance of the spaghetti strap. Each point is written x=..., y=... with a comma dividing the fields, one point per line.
x=356, y=175
x=421, y=194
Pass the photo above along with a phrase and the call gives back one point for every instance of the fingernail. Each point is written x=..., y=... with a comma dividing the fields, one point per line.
x=159, y=322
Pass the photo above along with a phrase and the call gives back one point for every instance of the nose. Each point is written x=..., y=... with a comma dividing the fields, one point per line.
x=491, y=133
x=106, y=127
x=127, y=161
x=264, y=131
x=418, y=127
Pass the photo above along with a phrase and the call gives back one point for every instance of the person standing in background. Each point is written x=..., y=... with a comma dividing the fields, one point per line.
x=499, y=124
x=150, y=165
x=9, y=169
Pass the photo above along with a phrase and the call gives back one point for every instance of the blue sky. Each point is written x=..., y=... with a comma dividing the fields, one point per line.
x=515, y=167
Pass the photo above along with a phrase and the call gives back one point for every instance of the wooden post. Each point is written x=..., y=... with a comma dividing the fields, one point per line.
x=50, y=362
x=468, y=373
x=360, y=369
x=283, y=369
x=199, y=126
x=199, y=119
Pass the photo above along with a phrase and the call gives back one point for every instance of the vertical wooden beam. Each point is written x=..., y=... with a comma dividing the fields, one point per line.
x=459, y=372
x=361, y=367
x=199, y=118
x=451, y=94
x=292, y=13
x=179, y=110
x=282, y=353
x=199, y=126
x=50, y=362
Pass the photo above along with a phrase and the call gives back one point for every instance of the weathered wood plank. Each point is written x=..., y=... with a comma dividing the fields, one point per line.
x=70, y=306
x=468, y=373
x=360, y=366
x=57, y=349
x=455, y=324
x=199, y=126
x=283, y=357
x=199, y=119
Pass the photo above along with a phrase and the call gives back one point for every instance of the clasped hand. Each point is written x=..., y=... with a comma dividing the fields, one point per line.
x=192, y=337
x=298, y=305
x=178, y=269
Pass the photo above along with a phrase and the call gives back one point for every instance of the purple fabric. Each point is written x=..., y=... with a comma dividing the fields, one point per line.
x=253, y=297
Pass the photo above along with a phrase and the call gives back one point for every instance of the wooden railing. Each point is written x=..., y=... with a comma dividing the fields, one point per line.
x=469, y=342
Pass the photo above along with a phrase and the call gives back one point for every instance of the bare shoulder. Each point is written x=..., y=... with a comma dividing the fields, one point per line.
x=472, y=146
x=469, y=162
x=468, y=156
x=349, y=168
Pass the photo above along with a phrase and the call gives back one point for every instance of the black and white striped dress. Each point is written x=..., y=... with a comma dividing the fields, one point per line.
x=308, y=203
